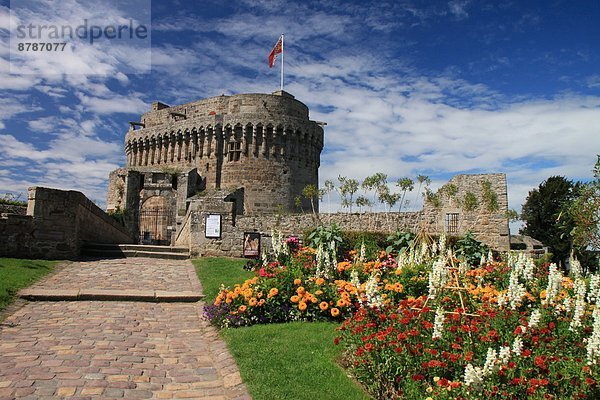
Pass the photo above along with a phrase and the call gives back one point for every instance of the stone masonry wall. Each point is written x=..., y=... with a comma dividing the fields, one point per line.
x=488, y=226
x=13, y=209
x=57, y=223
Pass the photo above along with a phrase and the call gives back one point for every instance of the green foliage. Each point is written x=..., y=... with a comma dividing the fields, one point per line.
x=584, y=211
x=312, y=193
x=373, y=242
x=119, y=215
x=512, y=215
x=12, y=200
x=363, y=201
x=16, y=274
x=470, y=202
x=326, y=236
x=490, y=198
x=347, y=189
x=406, y=185
x=543, y=209
x=214, y=272
x=470, y=249
x=432, y=198
x=449, y=189
x=399, y=242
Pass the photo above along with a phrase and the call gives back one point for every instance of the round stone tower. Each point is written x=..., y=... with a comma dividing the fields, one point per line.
x=263, y=143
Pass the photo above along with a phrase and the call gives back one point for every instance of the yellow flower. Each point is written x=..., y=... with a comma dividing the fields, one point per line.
x=323, y=306
x=297, y=281
x=318, y=292
x=436, y=378
x=302, y=306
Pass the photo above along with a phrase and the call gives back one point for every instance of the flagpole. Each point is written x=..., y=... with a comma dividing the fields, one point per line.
x=282, y=62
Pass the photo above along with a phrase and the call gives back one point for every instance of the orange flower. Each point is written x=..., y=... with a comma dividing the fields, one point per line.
x=302, y=306
x=301, y=290
x=297, y=281
x=323, y=306
x=242, y=308
x=261, y=302
x=294, y=299
x=341, y=303
x=252, y=302
x=320, y=281
x=335, y=312
x=273, y=292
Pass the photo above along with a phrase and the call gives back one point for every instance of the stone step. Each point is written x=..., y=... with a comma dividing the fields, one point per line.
x=159, y=296
x=131, y=250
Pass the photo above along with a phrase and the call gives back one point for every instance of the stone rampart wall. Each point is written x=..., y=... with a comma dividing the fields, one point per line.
x=13, y=209
x=57, y=223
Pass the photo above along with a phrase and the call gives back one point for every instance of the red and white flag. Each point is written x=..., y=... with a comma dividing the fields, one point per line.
x=278, y=49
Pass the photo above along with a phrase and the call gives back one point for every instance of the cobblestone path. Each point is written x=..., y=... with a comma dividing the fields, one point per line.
x=116, y=349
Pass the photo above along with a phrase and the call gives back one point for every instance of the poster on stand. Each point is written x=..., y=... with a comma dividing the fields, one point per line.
x=251, y=244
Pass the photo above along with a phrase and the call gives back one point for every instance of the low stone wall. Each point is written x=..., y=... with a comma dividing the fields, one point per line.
x=486, y=218
x=57, y=223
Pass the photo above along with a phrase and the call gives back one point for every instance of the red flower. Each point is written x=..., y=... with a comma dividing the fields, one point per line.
x=526, y=353
x=442, y=382
x=590, y=381
x=418, y=377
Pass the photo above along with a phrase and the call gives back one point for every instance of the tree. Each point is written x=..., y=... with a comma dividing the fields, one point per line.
x=363, y=201
x=585, y=213
x=406, y=185
x=329, y=186
x=421, y=179
x=544, y=216
x=312, y=193
x=347, y=189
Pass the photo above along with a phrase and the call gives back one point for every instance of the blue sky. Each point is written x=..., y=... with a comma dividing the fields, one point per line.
x=406, y=87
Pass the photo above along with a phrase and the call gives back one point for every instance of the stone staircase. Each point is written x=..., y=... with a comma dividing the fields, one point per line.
x=101, y=250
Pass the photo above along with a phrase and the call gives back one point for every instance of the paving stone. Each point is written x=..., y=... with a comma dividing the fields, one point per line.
x=116, y=349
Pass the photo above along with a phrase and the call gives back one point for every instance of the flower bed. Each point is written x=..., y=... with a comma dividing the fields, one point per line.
x=428, y=325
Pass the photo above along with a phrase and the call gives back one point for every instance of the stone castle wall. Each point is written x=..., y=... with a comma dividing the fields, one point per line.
x=57, y=223
x=488, y=226
x=263, y=143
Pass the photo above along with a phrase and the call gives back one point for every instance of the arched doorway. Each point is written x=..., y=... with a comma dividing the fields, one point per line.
x=155, y=221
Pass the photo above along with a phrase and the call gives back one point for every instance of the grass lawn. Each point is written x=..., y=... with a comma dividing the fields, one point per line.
x=291, y=361
x=18, y=273
x=213, y=272
x=280, y=361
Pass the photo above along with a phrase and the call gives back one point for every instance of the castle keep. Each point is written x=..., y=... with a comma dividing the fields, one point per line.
x=262, y=148
x=216, y=176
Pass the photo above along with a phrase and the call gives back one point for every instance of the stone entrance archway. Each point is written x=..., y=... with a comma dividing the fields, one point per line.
x=156, y=221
